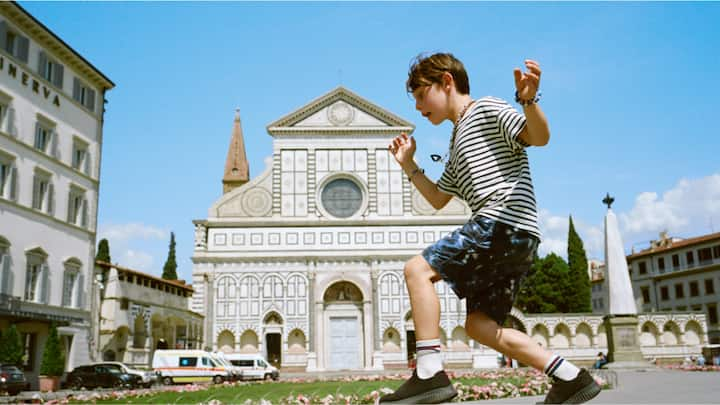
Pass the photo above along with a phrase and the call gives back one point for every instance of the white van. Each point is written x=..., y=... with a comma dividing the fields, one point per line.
x=253, y=366
x=219, y=357
x=182, y=366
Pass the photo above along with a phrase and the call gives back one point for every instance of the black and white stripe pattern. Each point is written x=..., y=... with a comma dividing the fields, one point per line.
x=488, y=166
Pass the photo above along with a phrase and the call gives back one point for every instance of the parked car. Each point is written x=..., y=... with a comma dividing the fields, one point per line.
x=253, y=366
x=12, y=379
x=148, y=377
x=97, y=375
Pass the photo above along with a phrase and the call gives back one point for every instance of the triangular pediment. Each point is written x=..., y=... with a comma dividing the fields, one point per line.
x=339, y=111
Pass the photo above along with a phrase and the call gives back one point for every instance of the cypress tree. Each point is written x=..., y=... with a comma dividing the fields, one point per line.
x=170, y=268
x=545, y=287
x=579, y=296
x=53, y=360
x=11, y=348
x=103, y=253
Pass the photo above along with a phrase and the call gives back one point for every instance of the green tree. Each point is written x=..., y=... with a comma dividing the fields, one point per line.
x=11, y=347
x=170, y=268
x=53, y=360
x=579, y=295
x=546, y=287
x=103, y=253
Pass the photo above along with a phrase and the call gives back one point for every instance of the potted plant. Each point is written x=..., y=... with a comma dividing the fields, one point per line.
x=53, y=362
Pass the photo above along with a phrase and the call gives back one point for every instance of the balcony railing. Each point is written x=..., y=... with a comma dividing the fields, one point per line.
x=18, y=308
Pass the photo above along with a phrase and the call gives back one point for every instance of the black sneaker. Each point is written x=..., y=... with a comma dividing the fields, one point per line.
x=581, y=389
x=417, y=391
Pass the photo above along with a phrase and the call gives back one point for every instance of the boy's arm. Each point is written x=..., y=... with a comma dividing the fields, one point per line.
x=403, y=148
x=536, y=131
x=427, y=188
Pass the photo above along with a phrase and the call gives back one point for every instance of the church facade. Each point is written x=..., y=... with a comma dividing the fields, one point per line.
x=304, y=263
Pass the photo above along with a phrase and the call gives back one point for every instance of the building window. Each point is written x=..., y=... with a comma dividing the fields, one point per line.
x=33, y=282
x=712, y=314
x=645, y=294
x=69, y=285
x=642, y=268
x=28, y=358
x=77, y=207
x=43, y=194
x=664, y=294
x=694, y=289
x=690, y=258
x=661, y=264
x=704, y=255
x=679, y=291
x=36, y=276
x=42, y=137
x=83, y=94
x=716, y=251
x=80, y=156
x=8, y=177
x=14, y=43
x=5, y=270
x=50, y=70
x=124, y=304
x=676, y=261
x=709, y=286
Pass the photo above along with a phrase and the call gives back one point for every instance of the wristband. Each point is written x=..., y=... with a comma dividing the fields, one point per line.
x=414, y=172
x=527, y=102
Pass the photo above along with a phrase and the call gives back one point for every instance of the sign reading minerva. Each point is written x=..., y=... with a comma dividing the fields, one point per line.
x=26, y=80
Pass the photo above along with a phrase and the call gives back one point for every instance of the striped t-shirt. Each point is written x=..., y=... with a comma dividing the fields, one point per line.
x=488, y=166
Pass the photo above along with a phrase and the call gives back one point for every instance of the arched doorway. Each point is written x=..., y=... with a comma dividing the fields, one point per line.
x=343, y=302
x=273, y=338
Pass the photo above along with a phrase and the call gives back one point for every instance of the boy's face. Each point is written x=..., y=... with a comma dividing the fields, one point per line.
x=431, y=101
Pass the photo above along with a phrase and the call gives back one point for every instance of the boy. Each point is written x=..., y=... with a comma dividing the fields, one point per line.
x=486, y=260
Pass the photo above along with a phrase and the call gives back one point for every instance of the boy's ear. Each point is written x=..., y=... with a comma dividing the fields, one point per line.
x=447, y=80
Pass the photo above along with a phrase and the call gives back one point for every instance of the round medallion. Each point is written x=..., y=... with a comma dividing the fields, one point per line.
x=340, y=113
x=257, y=202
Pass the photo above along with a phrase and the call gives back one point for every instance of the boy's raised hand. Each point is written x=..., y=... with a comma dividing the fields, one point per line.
x=403, y=148
x=527, y=83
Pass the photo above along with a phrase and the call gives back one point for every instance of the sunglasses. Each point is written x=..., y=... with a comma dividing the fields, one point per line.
x=438, y=158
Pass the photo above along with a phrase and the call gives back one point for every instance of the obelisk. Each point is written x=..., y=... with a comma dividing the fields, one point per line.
x=621, y=322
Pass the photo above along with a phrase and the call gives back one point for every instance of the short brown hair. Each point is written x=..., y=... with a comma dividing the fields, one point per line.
x=426, y=70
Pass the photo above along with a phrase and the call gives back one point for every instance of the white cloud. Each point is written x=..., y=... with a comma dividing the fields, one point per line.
x=137, y=260
x=688, y=208
x=125, y=232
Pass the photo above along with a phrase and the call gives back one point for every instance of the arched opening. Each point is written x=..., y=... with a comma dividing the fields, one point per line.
x=671, y=334
x=541, y=335
x=249, y=342
x=561, y=339
x=343, y=319
x=583, y=336
x=460, y=341
x=391, y=341
x=139, y=332
x=649, y=334
x=226, y=341
x=693, y=333
x=296, y=342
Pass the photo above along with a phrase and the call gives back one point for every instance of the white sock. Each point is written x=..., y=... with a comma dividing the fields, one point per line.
x=429, y=360
x=560, y=368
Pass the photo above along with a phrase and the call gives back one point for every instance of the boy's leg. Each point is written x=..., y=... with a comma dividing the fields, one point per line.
x=429, y=383
x=571, y=385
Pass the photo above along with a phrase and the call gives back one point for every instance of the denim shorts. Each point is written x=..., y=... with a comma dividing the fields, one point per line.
x=484, y=262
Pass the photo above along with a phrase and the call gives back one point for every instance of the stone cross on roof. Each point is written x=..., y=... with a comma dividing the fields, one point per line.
x=608, y=200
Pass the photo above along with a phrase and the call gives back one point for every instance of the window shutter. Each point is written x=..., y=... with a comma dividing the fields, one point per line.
x=51, y=199
x=3, y=34
x=80, y=291
x=44, y=286
x=37, y=135
x=36, y=203
x=84, y=213
x=42, y=64
x=58, y=75
x=10, y=122
x=54, y=140
x=23, y=47
x=70, y=207
x=90, y=100
x=86, y=163
x=4, y=276
x=76, y=89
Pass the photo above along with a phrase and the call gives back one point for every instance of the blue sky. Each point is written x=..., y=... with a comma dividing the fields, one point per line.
x=629, y=89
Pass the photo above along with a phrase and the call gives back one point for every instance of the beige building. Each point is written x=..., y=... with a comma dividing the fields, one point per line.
x=51, y=131
x=140, y=313
x=679, y=275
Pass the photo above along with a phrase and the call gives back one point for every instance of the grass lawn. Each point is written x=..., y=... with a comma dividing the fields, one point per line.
x=274, y=392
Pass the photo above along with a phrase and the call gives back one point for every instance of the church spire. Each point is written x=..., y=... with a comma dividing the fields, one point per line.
x=237, y=172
